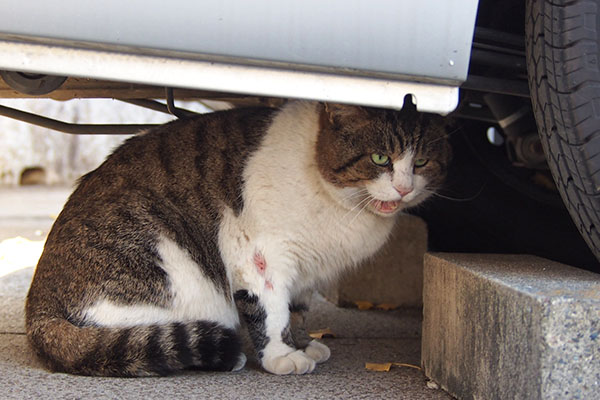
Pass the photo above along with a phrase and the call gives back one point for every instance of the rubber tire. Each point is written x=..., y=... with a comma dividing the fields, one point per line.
x=563, y=62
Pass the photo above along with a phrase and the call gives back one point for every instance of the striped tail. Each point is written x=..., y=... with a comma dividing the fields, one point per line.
x=137, y=351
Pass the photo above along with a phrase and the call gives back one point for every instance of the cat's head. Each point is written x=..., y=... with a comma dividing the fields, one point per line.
x=381, y=160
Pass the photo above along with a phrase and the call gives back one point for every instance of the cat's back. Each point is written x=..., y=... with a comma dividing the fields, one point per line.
x=218, y=142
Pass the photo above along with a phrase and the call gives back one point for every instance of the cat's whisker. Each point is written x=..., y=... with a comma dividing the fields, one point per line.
x=370, y=198
x=360, y=203
x=358, y=193
x=446, y=136
x=471, y=198
x=364, y=193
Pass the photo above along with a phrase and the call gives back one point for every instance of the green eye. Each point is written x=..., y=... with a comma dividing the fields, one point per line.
x=380, y=159
x=421, y=162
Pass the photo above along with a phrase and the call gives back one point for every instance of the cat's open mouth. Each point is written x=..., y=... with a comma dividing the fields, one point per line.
x=386, y=207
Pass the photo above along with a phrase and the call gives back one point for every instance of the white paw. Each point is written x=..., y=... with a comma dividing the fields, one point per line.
x=317, y=351
x=296, y=362
x=241, y=362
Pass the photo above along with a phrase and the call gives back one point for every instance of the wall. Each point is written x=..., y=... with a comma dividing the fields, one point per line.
x=65, y=157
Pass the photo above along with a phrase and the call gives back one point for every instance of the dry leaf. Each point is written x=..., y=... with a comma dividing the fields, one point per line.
x=385, y=367
x=364, y=305
x=321, y=333
x=386, y=306
x=367, y=305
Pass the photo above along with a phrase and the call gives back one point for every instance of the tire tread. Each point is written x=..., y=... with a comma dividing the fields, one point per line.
x=563, y=59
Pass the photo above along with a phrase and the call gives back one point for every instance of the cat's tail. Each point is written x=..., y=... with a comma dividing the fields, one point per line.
x=137, y=351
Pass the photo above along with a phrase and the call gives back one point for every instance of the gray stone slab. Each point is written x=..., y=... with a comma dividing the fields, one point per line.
x=13, y=289
x=16, y=283
x=342, y=377
x=511, y=327
x=11, y=315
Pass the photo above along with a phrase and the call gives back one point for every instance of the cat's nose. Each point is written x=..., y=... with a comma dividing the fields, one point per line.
x=403, y=190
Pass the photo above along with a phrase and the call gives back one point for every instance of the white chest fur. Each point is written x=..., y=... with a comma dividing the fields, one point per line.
x=290, y=217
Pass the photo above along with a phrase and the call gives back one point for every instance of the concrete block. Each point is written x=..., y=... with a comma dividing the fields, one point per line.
x=511, y=327
x=394, y=275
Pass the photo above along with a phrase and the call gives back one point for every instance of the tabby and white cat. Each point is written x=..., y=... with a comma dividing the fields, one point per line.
x=185, y=228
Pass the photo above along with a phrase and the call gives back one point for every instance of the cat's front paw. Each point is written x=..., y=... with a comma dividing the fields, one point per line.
x=317, y=351
x=297, y=362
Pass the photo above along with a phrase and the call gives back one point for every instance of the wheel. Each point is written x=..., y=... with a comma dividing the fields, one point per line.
x=563, y=57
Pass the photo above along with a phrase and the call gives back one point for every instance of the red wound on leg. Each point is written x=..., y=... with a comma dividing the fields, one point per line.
x=260, y=262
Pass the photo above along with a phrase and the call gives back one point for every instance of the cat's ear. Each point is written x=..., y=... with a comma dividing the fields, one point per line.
x=336, y=114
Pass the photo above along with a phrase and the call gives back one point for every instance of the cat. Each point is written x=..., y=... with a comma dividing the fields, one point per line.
x=187, y=227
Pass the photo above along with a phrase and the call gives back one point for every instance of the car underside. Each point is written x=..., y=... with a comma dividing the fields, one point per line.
x=502, y=194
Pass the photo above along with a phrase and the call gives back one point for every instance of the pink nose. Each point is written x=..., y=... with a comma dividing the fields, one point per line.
x=403, y=191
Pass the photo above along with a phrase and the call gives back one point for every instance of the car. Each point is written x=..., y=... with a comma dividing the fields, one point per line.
x=518, y=80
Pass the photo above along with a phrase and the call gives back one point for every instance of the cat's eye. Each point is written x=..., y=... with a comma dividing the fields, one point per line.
x=380, y=159
x=421, y=162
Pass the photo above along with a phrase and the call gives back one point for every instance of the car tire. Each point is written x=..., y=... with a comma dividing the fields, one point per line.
x=563, y=62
